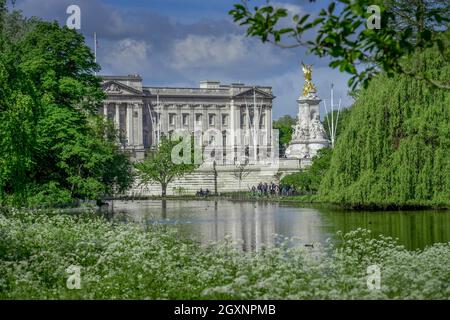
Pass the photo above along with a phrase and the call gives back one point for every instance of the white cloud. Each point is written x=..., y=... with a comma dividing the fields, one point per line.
x=286, y=87
x=128, y=55
x=292, y=9
x=225, y=51
x=166, y=52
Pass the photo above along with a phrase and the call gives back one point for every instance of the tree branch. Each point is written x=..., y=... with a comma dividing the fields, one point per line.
x=284, y=46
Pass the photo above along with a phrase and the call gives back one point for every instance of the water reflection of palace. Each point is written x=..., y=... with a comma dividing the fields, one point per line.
x=251, y=224
x=255, y=225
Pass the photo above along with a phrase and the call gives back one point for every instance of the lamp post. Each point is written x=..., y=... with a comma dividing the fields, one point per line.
x=215, y=177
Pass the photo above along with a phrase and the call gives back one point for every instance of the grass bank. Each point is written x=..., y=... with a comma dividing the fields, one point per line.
x=132, y=261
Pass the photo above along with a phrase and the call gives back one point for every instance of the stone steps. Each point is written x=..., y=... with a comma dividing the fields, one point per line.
x=226, y=179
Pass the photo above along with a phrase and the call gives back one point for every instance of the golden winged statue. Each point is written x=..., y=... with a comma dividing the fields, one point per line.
x=308, y=87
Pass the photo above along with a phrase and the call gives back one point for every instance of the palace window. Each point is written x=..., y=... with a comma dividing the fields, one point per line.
x=243, y=120
x=224, y=119
x=198, y=119
x=185, y=119
x=212, y=119
x=172, y=119
x=263, y=120
x=111, y=113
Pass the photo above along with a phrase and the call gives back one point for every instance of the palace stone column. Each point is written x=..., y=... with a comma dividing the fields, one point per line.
x=164, y=120
x=205, y=122
x=130, y=124
x=117, y=116
x=232, y=132
x=139, y=136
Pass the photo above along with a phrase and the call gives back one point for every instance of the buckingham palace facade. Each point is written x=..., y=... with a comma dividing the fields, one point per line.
x=146, y=114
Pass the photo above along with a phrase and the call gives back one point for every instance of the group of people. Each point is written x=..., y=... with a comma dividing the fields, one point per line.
x=203, y=193
x=262, y=189
x=272, y=189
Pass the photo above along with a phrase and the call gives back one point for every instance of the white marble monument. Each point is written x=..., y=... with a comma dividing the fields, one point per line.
x=309, y=135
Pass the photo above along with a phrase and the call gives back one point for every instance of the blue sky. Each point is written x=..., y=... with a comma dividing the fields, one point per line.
x=181, y=42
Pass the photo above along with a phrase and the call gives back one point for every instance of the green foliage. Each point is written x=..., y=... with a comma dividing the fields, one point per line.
x=308, y=180
x=284, y=126
x=161, y=168
x=89, y=164
x=50, y=133
x=394, y=150
x=342, y=35
x=127, y=261
x=50, y=195
x=300, y=180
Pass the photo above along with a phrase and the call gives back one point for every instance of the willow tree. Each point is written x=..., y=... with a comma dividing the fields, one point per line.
x=394, y=150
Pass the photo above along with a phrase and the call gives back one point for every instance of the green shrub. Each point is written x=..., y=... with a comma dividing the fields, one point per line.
x=50, y=195
x=308, y=180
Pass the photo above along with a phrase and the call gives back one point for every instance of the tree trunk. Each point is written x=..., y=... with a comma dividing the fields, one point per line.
x=163, y=189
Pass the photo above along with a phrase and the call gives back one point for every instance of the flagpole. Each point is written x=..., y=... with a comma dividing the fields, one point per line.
x=158, y=117
x=95, y=49
x=332, y=115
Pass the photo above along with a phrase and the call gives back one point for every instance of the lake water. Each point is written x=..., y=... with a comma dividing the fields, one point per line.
x=256, y=224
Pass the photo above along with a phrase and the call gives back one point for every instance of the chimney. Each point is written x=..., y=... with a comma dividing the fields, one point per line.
x=208, y=84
